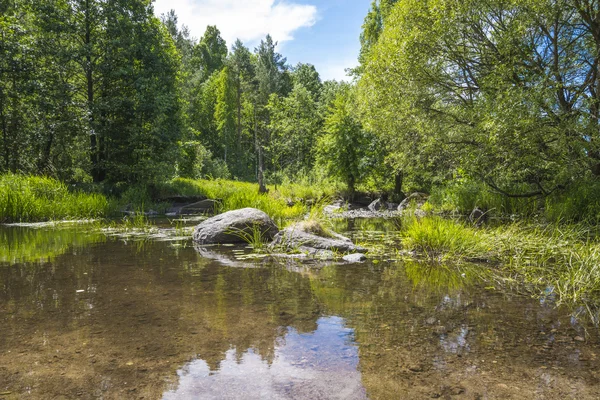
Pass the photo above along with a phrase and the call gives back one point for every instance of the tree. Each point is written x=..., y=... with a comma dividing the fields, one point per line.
x=210, y=52
x=307, y=76
x=271, y=78
x=295, y=123
x=242, y=73
x=342, y=148
x=501, y=92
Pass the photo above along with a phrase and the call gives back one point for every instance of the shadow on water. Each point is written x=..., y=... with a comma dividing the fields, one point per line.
x=112, y=319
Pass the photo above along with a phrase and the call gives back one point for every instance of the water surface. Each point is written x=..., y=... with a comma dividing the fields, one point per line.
x=83, y=315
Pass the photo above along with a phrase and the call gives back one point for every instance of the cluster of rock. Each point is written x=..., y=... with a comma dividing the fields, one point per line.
x=241, y=225
x=364, y=207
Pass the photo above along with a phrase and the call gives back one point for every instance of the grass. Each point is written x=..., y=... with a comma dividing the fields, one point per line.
x=253, y=236
x=560, y=261
x=32, y=199
x=441, y=239
x=284, y=202
x=463, y=197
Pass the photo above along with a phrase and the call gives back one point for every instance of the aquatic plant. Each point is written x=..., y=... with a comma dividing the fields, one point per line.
x=253, y=236
x=440, y=239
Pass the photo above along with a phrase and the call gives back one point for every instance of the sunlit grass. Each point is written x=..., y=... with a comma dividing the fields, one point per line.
x=284, y=202
x=439, y=239
x=29, y=198
x=559, y=260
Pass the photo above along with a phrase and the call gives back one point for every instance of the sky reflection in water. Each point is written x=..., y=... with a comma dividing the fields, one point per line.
x=322, y=364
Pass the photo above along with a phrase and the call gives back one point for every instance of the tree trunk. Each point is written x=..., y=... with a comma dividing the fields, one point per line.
x=4, y=130
x=398, y=181
x=89, y=78
x=239, y=122
x=261, y=178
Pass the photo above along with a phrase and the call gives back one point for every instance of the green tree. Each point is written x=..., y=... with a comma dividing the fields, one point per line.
x=307, y=76
x=343, y=146
x=272, y=78
x=295, y=123
x=210, y=53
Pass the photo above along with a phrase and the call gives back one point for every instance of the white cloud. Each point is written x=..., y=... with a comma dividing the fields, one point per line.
x=248, y=20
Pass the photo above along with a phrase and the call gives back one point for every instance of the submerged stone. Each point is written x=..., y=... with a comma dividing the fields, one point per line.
x=354, y=258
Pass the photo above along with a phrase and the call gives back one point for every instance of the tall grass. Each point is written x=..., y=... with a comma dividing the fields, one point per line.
x=442, y=239
x=557, y=260
x=281, y=203
x=580, y=202
x=30, y=198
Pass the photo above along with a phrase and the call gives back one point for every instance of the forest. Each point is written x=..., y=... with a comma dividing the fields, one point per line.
x=483, y=103
x=183, y=217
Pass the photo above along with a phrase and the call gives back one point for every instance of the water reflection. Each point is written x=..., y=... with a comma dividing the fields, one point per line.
x=319, y=365
x=118, y=320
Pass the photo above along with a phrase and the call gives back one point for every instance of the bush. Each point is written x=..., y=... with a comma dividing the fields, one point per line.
x=462, y=197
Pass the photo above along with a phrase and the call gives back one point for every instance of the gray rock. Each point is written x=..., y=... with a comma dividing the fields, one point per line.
x=332, y=208
x=377, y=205
x=417, y=198
x=295, y=237
x=203, y=206
x=477, y=216
x=354, y=258
x=226, y=227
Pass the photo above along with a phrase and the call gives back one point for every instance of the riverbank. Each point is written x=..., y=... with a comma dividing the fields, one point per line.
x=558, y=260
x=554, y=261
x=37, y=199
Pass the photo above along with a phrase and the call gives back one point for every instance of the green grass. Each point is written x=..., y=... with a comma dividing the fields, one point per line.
x=30, y=199
x=463, y=197
x=284, y=202
x=34, y=199
x=439, y=239
x=557, y=260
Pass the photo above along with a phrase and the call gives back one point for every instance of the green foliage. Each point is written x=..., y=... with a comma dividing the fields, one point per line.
x=295, y=123
x=343, y=147
x=498, y=99
x=464, y=196
x=579, y=203
x=31, y=199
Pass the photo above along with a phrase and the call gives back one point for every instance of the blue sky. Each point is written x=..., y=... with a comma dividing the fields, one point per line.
x=321, y=32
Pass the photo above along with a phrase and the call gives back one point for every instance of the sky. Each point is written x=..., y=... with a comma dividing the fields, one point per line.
x=320, y=32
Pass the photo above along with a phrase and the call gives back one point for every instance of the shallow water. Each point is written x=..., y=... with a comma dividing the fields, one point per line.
x=83, y=315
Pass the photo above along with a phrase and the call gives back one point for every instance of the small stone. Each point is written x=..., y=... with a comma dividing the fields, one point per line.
x=579, y=339
x=354, y=258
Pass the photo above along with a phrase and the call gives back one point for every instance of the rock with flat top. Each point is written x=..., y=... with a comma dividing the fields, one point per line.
x=297, y=236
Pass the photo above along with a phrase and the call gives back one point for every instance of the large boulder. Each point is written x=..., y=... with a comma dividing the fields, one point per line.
x=301, y=236
x=229, y=227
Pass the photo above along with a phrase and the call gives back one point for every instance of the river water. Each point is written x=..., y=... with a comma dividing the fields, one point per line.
x=89, y=316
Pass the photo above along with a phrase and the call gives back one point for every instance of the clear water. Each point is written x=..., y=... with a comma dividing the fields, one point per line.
x=87, y=316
